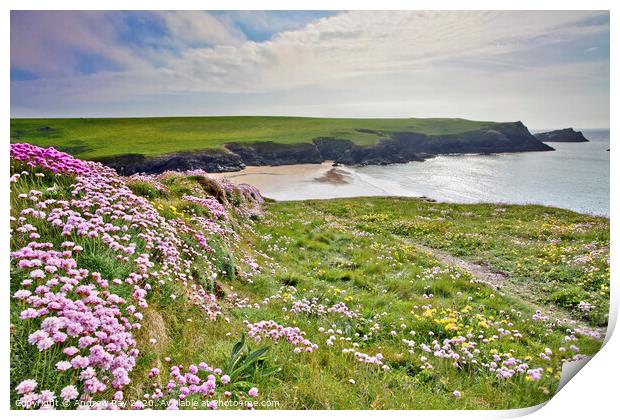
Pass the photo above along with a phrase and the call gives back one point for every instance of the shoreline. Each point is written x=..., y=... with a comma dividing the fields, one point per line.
x=446, y=178
x=304, y=167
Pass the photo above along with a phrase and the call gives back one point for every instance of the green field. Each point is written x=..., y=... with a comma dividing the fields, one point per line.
x=384, y=260
x=93, y=138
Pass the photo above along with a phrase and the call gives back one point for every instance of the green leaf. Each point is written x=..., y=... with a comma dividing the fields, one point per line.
x=257, y=353
x=237, y=347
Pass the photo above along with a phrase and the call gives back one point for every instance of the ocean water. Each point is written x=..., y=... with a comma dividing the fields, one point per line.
x=575, y=176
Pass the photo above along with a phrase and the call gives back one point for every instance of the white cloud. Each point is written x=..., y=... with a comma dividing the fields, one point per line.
x=200, y=28
x=410, y=63
x=356, y=43
x=49, y=43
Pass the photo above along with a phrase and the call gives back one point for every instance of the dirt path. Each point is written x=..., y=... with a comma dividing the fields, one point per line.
x=483, y=274
x=501, y=281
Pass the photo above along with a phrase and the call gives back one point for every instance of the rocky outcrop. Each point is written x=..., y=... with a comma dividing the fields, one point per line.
x=395, y=147
x=385, y=152
x=274, y=154
x=566, y=135
x=332, y=149
x=402, y=147
x=502, y=138
x=209, y=160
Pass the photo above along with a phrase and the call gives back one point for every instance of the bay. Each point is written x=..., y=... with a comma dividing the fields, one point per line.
x=575, y=176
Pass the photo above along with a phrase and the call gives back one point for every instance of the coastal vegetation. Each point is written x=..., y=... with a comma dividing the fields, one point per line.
x=180, y=291
x=91, y=138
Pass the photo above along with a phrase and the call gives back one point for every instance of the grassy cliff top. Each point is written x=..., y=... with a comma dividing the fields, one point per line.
x=92, y=138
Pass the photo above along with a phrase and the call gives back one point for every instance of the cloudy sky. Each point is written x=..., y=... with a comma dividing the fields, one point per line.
x=548, y=69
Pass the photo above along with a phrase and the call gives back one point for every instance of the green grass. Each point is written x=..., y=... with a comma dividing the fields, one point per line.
x=560, y=256
x=362, y=252
x=92, y=138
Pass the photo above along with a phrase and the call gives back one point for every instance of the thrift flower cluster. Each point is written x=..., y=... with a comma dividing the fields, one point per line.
x=276, y=332
x=87, y=319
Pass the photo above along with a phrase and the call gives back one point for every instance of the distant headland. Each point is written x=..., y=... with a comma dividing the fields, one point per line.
x=565, y=135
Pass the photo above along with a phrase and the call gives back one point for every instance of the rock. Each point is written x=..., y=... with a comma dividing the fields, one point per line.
x=331, y=148
x=566, y=135
x=209, y=160
x=268, y=153
x=404, y=147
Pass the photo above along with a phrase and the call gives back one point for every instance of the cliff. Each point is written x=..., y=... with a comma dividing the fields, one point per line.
x=394, y=147
x=566, y=135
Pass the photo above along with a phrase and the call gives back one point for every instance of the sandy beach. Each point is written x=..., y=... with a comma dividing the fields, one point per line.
x=307, y=181
x=267, y=177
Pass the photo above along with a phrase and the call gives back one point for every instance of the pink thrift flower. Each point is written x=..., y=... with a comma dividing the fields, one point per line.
x=138, y=405
x=28, y=314
x=69, y=393
x=22, y=294
x=63, y=365
x=26, y=386
x=29, y=400
x=47, y=397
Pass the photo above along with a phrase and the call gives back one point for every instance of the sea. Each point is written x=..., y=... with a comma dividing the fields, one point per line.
x=575, y=176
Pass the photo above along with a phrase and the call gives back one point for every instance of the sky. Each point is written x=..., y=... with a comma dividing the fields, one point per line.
x=549, y=69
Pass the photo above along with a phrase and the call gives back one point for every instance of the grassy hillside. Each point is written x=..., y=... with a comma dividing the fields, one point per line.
x=177, y=291
x=90, y=138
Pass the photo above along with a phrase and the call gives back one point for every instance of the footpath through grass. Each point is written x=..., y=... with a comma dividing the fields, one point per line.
x=437, y=330
x=90, y=138
x=560, y=256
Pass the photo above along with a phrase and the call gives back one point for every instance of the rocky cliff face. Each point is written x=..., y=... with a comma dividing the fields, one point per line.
x=407, y=146
x=332, y=149
x=274, y=154
x=566, y=135
x=209, y=160
x=397, y=147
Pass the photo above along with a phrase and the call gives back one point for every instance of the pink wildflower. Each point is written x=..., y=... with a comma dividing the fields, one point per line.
x=69, y=393
x=26, y=386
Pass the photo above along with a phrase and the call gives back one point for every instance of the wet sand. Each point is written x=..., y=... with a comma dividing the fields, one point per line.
x=299, y=182
x=335, y=176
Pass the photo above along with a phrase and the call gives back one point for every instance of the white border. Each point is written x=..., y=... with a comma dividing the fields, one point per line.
x=592, y=394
